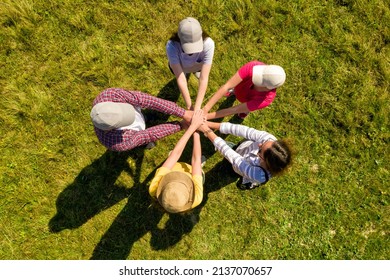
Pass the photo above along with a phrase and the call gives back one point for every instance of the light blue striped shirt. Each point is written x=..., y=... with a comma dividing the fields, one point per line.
x=244, y=159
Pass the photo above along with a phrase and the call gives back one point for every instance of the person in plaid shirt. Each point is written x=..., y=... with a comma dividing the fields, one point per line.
x=120, y=125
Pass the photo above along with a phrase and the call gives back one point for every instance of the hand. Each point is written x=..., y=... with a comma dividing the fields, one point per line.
x=188, y=116
x=197, y=119
x=184, y=124
x=203, y=128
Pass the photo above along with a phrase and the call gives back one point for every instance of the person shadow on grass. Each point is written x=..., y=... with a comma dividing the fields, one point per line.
x=140, y=215
x=179, y=225
x=94, y=189
x=219, y=176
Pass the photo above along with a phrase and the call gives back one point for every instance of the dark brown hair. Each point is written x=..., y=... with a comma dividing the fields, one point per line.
x=175, y=36
x=278, y=157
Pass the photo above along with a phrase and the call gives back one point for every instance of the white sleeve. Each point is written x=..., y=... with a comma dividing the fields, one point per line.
x=239, y=164
x=208, y=48
x=246, y=132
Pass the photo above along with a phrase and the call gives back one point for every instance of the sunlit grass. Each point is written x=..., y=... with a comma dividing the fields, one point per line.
x=64, y=197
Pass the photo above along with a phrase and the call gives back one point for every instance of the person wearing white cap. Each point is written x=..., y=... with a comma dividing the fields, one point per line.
x=120, y=125
x=178, y=186
x=190, y=50
x=254, y=85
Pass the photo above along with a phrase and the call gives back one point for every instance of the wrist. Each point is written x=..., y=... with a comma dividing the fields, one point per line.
x=206, y=132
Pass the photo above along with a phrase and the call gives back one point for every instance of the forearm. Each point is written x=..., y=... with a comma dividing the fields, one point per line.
x=196, y=155
x=179, y=147
x=201, y=92
x=123, y=140
x=183, y=87
x=245, y=132
x=231, y=155
x=241, y=108
x=214, y=99
x=147, y=101
x=221, y=146
x=213, y=125
x=239, y=164
x=221, y=113
x=208, y=133
x=203, y=82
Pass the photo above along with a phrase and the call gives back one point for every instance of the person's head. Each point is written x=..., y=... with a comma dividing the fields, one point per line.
x=175, y=192
x=190, y=35
x=269, y=76
x=276, y=155
x=112, y=115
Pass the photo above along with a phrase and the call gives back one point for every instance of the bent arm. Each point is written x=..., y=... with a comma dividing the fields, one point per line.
x=240, y=108
x=182, y=83
x=197, y=120
x=124, y=140
x=196, y=161
x=140, y=99
x=203, y=82
x=231, y=83
x=246, y=132
x=240, y=165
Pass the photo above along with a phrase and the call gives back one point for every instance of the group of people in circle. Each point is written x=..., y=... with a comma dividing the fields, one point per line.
x=177, y=186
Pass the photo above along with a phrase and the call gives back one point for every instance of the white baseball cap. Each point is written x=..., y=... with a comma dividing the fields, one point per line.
x=269, y=76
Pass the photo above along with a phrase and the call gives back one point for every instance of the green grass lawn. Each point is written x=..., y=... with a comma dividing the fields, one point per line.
x=64, y=196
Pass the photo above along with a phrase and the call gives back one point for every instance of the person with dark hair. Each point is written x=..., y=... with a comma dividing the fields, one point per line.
x=120, y=125
x=254, y=86
x=259, y=157
x=190, y=50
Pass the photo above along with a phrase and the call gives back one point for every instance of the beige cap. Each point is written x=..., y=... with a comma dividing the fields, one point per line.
x=112, y=115
x=190, y=34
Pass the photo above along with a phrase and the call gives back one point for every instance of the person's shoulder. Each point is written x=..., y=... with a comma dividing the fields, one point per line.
x=172, y=44
x=208, y=40
x=246, y=69
x=162, y=171
x=208, y=43
x=253, y=63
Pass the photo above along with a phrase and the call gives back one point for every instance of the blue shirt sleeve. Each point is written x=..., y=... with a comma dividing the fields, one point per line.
x=173, y=52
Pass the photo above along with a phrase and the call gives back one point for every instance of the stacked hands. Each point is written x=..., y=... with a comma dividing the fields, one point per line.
x=178, y=186
x=195, y=120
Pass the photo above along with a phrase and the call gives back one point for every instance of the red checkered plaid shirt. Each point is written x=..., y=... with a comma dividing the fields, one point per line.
x=122, y=140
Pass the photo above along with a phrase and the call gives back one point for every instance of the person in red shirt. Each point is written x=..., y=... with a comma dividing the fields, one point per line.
x=254, y=85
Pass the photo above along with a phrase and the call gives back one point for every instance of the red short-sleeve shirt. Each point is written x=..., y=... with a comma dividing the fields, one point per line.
x=244, y=91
